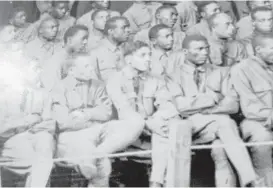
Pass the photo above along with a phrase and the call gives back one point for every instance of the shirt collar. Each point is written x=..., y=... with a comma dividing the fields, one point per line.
x=70, y=82
x=110, y=46
x=191, y=68
x=159, y=54
x=130, y=74
x=262, y=63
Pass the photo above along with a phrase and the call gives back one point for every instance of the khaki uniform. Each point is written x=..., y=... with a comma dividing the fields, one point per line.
x=201, y=28
x=128, y=93
x=27, y=130
x=64, y=24
x=140, y=16
x=245, y=28
x=200, y=91
x=218, y=49
x=187, y=15
x=178, y=37
x=94, y=39
x=252, y=79
x=41, y=50
x=83, y=112
x=108, y=59
x=12, y=34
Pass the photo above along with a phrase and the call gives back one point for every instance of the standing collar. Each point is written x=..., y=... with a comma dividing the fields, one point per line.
x=191, y=68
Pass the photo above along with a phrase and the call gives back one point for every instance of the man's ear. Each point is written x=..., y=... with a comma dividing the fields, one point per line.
x=185, y=51
x=157, y=16
x=257, y=49
x=203, y=14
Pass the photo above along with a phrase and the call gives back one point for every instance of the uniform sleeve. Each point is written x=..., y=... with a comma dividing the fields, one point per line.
x=121, y=97
x=103, y=107
x=235, y=53
x=252, y=106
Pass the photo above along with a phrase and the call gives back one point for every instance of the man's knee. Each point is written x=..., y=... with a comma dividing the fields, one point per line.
x=256, y=131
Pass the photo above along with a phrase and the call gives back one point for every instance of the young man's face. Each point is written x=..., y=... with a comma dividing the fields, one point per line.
x=164, y=39
x=168, y=17
x=19, y=19
x=263, y=21
x=141, y=59
x=49, y=30
x=198, y=52
x=78, y=42
x=265, y=51
x=121, y=32
x=224, y=27
x=60, y=10
x=100, y=20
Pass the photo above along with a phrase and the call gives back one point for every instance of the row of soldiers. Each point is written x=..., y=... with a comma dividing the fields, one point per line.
x=75, y=89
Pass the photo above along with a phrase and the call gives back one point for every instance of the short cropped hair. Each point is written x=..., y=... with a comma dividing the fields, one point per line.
x=163, y=7
x=111, y=23
x=191, y=38
x=44, y=20
x=16, y=10
x=212, y=18
x=201, y=5
x=96, y=12
x=131, y=47
x=73, y=30
x=153, y=32
x=259, y=9
x=260, y=39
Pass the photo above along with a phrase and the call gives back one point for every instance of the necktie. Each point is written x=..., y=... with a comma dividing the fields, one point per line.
x=197, y=77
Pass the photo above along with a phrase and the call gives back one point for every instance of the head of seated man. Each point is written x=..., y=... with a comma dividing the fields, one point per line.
x=263, y=47
x=101, y=4
x=255, y=4
x=117, y=29
x=221, y=25
x=79, y=68
x=99, y=18
x=167, y=15
x=196, y=49
x=138, y=56
x=18, y=17
x=161, y=37
x=48, y=29
x=75, y=39
x=262, y=19
x=207, y=8
x=60, y=9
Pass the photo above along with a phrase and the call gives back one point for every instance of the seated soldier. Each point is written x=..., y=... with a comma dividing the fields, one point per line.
x=83, y=112
x=96, y=32
x=167, y=15
x=59, y=12
x=134, y=90
x=86, y=19
x=45, y=44
x=140, y=15
x=14, y=31
x=199, y=97
x=222, y=31
x=27, y=129
x=75, y=43
x=205, y=9
x=252, y=79
x=245, y=25
x=108, y=56
x=240, y=49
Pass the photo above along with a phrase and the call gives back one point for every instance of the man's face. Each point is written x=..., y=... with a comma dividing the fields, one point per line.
x=19, y=19
x=100, y=20
x=121, y=32
x=60, y=10
x=224, y=27
x=263, y=21
x=265, y=51
x=255, y=4
x=165, y=39
x=102, y=4
x=49, y=29
x=141, y=59
x=78, y=42
x=168, y=17
x=210, y=9
x=83, y=69
x=198, y=52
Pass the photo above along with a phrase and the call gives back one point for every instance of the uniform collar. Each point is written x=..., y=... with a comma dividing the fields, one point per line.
x=159, y=54
x=110, y=46
x=262, y=63
x=130, y=74
x=70, y=82
x=191, y=68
